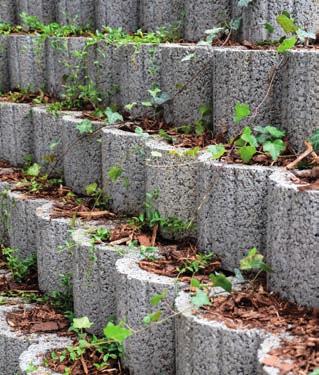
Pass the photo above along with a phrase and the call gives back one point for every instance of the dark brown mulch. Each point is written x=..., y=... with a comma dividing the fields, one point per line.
x=256, y=308
x=39, y=319
x=175, y=257
x=7, y=284
x=4, y=164
x=17, y=96
x=85, y=365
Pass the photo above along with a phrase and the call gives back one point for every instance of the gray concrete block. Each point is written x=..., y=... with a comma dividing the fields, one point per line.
x=53, y=248
x=16, y=131
x=292, y=241
x=205, y=347
x=300, y=97
x=22, y=222
x=183, y=108
x=152, y=351
x=81, y=155
x=172, y=176
x=27, y=62
x=266, y=347
x=36, y=352
x=80, y=12
x=100, y=13
x=233, y=209
x=4, y=63
x=65, y=63
x=203, y=15
x=121, y=13
x=243, y=76
x=94, y=279
x=126, y=151
x=157, y=13
x=44, y=10
x=4, y=212
x=7, y=11
x=47, y=139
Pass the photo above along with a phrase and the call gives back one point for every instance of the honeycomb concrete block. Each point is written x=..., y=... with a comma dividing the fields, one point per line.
x=27, y=62
x=80, y=12
x=12, y=343
x=47, y=137
x=53, y=248
x=65, y=63
x=121, y=13
x=151, y=351
x=177, y=73
x=140, y=71
x=232, y=216
x=259, y=12
x=126, y=151
x=292, y=241
x=159, y=13
x=35, y=353
x=16, y=130
x=94, y=279
x=4, y=212
x=244, y=76
x=22, y=222
x=300, y=97
x=44, y=10
x=172, y=176
x=81, y=154
x=7, y=11
x=204, y=15
x=205, y=347
x=4, y=63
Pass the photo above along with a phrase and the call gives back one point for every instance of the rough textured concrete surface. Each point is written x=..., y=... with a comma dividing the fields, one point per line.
x=54, y=249
x=266, y=347
x=4, y=63
x=16, y=132
x=244, y=76
x=292, y=241
x=172, y=177
x=121, y=13
x=80, y=12
x=44, y=10
x=126, y=151
x=48, y=148
x=206, y=347
x=36, y=352
x=151, y=352
x=300, y=97
x=233, y=213
x=27, y=62
x=12, y=344
x=7, y=11
x=22, y=222
x=81, y=155
x=177, y=74
x=202, y=15
x=94, y=279
x=4, y=212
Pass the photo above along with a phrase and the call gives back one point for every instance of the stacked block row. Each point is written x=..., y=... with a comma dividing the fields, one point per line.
x=190, y=17
x=216, y=77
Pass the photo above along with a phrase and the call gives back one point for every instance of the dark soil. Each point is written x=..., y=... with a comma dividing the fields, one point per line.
x=40, y=319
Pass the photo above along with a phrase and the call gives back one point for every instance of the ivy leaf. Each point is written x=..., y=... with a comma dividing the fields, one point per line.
x=246, y=153
x=85, y=127
x=195, y=283
x=130, y=106
x=153, y=317
x=82, y=323
x=115, y=173
x=254, y=261
x=248, y=137
x=212, y=34
x=162, y=98
x=287, y=44
x=33, y=170
x=217, y=151
x=287, y=23
x=242, y=111
x=269, y=27
x=156, y=299
x=200, y=299
x=91, y=189
x=117, y=333
x=274, y=148
x=222, y=281
x=112, y=116
x=314, y=140
x=271, y=130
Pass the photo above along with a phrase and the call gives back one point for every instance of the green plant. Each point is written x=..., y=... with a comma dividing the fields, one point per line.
x=226, y=29
x=21, y=268
x=149, y=252
x=194, y=266
x=101, y=200
x=254, y=261
x=203, y=123
x=314, y=140
x=100, y=235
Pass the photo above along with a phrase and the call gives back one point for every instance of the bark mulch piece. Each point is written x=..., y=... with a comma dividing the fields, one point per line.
x=85, y=364
x=176, y=257
x=308, y=179
x=256, y=308
x=7, y=284
x=17, y=96
x=40, y=319
x=4, y=164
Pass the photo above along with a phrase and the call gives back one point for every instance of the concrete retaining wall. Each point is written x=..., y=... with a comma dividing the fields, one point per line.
x=4, y=212
x=151, y=351
x=292, y=241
